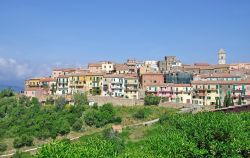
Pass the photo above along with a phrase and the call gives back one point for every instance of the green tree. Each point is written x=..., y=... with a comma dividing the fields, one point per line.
x=239, y=100
x=152, y=100
x=60, y=103
x=80, y=99
x=8, y=92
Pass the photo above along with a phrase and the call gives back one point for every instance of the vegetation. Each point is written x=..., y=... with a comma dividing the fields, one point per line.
x=3, y=147
x=23, y=141
x=199, y=135
x=152, y=100
x=101, y=116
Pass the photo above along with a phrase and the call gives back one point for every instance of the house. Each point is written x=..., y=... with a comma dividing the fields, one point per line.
x=204, y=69
x=107, y=66
x=209, y=92
x=181, y=93
x=33, y=82
x=94, y=82
x=77, y=83
x=95, y=68
x=62, y=85
x=217, y=77
x=131, y=87
x=114, y=85
x=122, y=69
x=149, y=79
x=48, y=84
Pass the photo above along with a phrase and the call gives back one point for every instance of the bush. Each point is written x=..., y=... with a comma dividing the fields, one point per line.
x=152, y=100
x=104, y=115
x=49, y=101
x=140, y=114
x=3, y=147
x=77, y=126
x=23, y=141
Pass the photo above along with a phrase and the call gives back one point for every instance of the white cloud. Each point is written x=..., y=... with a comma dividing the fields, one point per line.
x=10, y=69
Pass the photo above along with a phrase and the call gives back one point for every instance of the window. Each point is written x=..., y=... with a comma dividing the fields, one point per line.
x=209, y=98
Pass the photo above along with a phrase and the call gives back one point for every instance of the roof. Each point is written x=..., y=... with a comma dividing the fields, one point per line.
x=122, y=67
x=205, y=67
x=152, y=73
x=63, y=76
x=222, y=82
x=95, y=65
x=47, y=80
x=181, y=85
x=220, y=75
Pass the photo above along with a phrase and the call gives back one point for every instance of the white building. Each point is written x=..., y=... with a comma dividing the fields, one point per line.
x=107, y=66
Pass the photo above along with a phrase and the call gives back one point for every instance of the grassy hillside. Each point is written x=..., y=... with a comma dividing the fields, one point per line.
x=200, y=135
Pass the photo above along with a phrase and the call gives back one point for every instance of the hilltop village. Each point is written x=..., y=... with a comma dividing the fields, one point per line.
x=170, y=79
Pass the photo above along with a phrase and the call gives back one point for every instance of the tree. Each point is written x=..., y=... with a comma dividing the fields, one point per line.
x=80, y=99
x=232, y=102
x=60, y=103
x=152, y=100
x=240, y=100
x=8, y=92
x=34, y=101
x=24, y=101
x=225, y=101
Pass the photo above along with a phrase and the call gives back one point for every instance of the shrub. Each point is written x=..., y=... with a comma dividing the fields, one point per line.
x=140, y=114
x=152, y=100
x=49, y=101
x=23, y=141
x=77, y=125
x=3, y=147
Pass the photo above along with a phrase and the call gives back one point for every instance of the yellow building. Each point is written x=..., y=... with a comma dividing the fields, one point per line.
x=131, y=87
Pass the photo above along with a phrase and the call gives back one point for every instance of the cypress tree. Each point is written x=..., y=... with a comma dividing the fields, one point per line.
x=239, y=101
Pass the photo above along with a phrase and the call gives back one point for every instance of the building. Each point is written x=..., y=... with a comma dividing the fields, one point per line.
x=208, y=92
x=149, y=79
x=203, y=69
x=114, y=85
x=217, y=77
x=49, y=85
x=178, y=78
x=221, y=57
x=170, y=64
x=107, y=67
x=95, y=68
x=62, y=85
x=122, y=69
x=131, y=87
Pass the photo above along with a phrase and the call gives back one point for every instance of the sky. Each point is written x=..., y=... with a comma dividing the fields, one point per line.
x=37, y=35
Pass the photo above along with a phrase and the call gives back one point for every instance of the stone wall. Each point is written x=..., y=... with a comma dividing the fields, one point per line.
x=100, y=100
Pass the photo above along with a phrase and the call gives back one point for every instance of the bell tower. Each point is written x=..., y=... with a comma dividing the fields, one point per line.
x=221, y=57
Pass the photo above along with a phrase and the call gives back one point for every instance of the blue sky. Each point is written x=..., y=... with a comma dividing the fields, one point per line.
x=46, y=33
